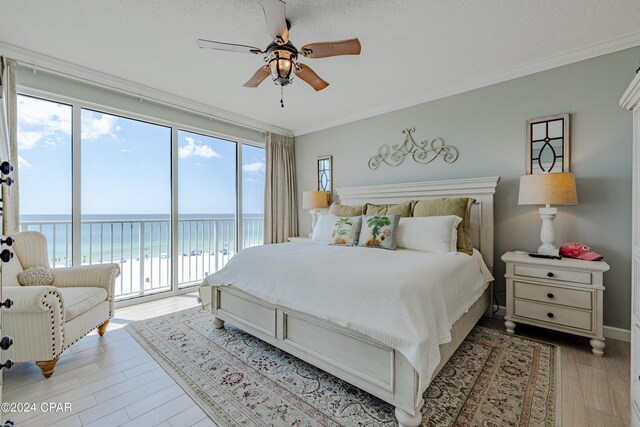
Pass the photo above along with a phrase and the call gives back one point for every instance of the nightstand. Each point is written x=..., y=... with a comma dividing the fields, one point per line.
x=563, y=295
x=299, y=239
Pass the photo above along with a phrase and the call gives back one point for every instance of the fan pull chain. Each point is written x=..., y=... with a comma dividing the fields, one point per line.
x=281, y=96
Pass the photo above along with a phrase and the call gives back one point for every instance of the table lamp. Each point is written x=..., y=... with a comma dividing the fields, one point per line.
x=548, y=189
x=314, y=200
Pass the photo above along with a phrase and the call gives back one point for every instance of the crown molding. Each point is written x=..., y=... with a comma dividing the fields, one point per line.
x=533, y=67
x=69, y=70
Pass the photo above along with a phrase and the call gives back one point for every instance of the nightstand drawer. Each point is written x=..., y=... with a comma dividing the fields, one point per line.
x=552, y=273
x=553, y=295
x=553, y=314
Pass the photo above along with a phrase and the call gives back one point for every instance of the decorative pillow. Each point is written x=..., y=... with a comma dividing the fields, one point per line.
x=402, y=209
x=459, y=206
x=379, y=231
x=324, y=228
x=35, y=276
x=346, y=210
x=346, y=231
x=429, y=233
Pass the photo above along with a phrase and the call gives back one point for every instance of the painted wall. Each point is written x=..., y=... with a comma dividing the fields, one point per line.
x=487, y=126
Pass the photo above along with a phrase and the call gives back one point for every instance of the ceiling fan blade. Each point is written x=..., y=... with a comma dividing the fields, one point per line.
x=327, y=49
x=308, y=75
x=257, y=78
x=208, y=44
x=274, y=15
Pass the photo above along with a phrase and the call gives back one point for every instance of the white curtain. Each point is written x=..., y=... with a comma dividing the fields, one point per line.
x=9, y=143
x=280, y=200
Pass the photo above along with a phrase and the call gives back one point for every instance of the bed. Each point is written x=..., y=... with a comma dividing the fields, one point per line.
x=361, y=355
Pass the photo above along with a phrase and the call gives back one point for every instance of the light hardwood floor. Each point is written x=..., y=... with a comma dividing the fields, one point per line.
x=111, y=381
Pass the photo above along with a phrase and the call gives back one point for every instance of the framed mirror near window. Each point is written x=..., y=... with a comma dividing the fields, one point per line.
x=548, y=144
x=325, y=174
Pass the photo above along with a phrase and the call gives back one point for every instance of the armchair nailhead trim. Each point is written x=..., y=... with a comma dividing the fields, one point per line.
x=53, y=322
x=53, y=326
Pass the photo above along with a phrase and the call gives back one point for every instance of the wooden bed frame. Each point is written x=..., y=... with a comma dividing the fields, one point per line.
x=351, y=356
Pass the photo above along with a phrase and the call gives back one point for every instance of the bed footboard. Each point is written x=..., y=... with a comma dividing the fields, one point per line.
x=353, y=357
x=350, y=356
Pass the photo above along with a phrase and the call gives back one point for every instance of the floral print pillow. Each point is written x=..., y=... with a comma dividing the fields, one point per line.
x=379, y=231
x=346, y=231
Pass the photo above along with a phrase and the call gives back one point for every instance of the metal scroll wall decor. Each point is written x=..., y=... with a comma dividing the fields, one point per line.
x=423, y=152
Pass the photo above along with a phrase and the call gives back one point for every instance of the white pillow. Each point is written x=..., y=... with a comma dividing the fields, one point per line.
x=324, y=228
x=429, y=233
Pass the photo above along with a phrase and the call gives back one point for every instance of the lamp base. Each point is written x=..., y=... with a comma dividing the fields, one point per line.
x=547, y=234
x=548, y=251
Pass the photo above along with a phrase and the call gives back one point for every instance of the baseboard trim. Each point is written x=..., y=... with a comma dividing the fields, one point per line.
x=617, y=333
x=609, y=331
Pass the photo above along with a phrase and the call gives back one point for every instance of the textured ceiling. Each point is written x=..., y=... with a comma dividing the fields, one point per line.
x=412, y=50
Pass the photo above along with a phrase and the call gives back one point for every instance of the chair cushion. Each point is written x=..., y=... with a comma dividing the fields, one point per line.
x=81, y=300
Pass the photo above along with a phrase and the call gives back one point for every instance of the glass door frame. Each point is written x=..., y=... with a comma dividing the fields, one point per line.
x=77, y=106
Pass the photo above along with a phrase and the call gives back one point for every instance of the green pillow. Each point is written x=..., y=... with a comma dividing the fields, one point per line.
x=460, y=206
x=345, y=210
x=379, y=231
x=402, y=209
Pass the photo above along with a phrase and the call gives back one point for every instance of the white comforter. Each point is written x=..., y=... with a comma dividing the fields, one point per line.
x=405, y=299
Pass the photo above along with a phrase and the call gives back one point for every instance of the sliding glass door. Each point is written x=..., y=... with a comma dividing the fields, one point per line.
x=253, y=172
x=126, y=200
x=207, y=211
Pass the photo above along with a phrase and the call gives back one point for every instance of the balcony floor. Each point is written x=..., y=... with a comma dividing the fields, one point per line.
x=113, y=381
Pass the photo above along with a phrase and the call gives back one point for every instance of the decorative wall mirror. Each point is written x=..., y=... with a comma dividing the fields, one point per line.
x=325, y=174
x=548, y=144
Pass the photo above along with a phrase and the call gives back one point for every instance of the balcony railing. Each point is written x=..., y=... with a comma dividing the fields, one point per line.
x=142, y=247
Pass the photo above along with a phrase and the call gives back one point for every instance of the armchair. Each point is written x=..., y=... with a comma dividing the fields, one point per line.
x=46, y=320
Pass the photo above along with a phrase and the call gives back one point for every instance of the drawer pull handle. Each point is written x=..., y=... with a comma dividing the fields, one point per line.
x=549, y=274
x=550, y=315
x=549, y=295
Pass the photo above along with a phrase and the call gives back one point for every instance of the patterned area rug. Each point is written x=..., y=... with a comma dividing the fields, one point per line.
x=493, y=379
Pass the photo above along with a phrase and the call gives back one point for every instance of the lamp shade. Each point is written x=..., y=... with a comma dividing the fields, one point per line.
x=314, y=199
x=548, y=189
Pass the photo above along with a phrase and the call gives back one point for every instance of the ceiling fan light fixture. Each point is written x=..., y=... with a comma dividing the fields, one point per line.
x=282, y=66
x=281, y=55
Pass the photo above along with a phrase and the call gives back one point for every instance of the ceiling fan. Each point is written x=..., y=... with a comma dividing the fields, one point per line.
x=281, y=55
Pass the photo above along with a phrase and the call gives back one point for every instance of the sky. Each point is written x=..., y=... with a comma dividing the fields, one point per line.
x=125, y=166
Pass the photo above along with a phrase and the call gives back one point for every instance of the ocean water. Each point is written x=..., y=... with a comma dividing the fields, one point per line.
x=118, y=238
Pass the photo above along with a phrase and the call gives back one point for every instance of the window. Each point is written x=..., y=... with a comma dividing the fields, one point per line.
x=126, y=171
x=44, y=161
